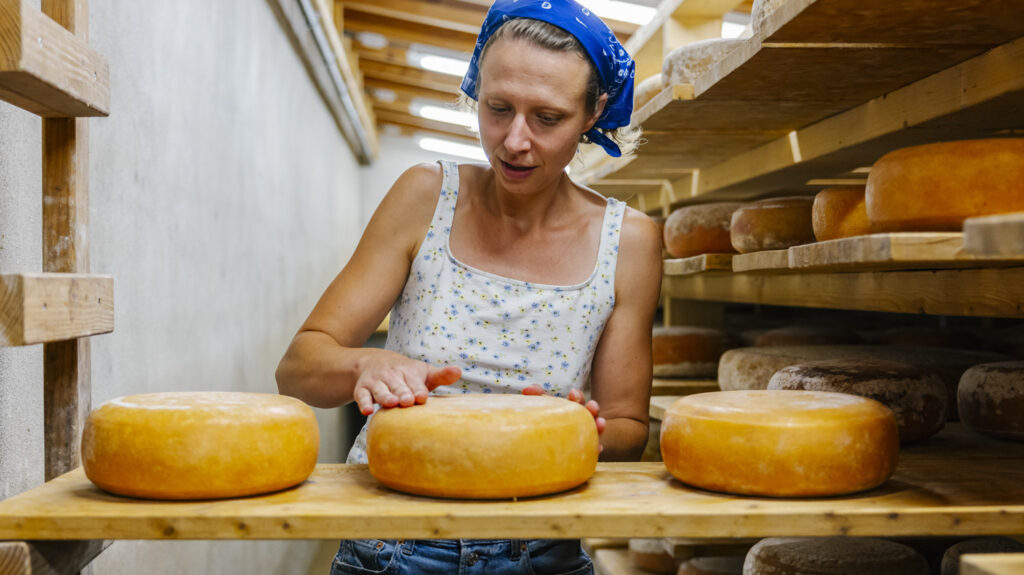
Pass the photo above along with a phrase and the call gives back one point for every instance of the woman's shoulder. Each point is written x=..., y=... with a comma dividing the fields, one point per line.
x=640, y=235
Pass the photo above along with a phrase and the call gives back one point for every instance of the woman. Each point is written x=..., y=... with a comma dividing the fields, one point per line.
x=500, y=278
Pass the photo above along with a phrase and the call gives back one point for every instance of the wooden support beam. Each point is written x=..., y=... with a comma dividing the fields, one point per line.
x=408, y=91
x=405, y=31
x=406, y=119
x=411, y=76
x=467, y=19
x=48, y=557
x=50, y=307
x=46, y=69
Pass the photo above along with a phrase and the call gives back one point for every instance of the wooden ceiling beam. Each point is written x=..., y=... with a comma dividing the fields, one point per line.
x=411, y=76
x=466, y=19
x=405, y=31
x=386, y=116
x=623, y=30
x=409, y=91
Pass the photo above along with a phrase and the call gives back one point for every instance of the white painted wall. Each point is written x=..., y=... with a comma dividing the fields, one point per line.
x=223, y=199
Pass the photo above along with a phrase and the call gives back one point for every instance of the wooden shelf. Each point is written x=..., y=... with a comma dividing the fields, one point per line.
x=995, y=236
x=679, y=387
x=795, y=104
x=905, y=250
x=766, y=261
x=46, y=69
x=957, y=483
x=698, y=264
x=990, y=292
x=50, y=307
x=992, y=564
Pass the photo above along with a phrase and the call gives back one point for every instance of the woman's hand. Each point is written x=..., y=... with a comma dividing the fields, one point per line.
x=577, y=396
x=392, y=380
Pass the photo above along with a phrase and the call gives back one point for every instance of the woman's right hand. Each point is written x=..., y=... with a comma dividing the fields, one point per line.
x=392, y=380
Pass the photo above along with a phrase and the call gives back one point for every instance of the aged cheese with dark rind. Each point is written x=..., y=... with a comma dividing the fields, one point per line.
x=991, y=399
x=804, y=443
x=772, y=224
x=483, y=446
x=833, y=556
x=700, y=229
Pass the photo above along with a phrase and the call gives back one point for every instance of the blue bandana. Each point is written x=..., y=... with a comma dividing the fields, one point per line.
x=615, y=68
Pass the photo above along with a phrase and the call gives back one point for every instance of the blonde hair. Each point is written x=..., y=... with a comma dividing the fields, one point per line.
x=553, y=38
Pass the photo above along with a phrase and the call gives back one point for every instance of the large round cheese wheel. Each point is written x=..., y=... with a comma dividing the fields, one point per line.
x=646, y=90
x=199, y=445
x=806, y=335
x=700, y=229
x=935, y=187
x=840, y=213
x=688, y=62
x=951, y=559
x=753, y=367
x=833, y=556
x=991, y=399
x=651, y=555
x=483, y=446
x=779, y=443
x=772, y=224
x=685, y=351
x=918, y=398
x=712, y=566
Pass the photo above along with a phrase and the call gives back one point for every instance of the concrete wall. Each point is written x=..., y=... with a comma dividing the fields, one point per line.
x=223, y=199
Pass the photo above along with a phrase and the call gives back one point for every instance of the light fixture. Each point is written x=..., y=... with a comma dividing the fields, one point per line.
x=372, y=40
x=451, y=148
x=443, y=114
x=444, y=64
x=621, y=11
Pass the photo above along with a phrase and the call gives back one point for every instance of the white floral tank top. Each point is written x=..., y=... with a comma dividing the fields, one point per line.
x=505, y=334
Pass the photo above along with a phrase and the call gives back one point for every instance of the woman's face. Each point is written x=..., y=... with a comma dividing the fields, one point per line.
x=532, y=111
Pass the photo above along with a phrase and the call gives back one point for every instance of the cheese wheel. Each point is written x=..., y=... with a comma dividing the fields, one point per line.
x=772, y=224
x=779, y=443
x=833, y=556
x=753, y=367
x=651, y=556
x=688, y=62
x=712, y=566
x=991, y=399
x=483, y=446
x=684, y=351
x=935, y=187
x=646, y=90
x=199, y=445
x=917, y=398
x=806, y=335
x=760, y=10
x=951, y=559
x=840, y=213
x=700, y=229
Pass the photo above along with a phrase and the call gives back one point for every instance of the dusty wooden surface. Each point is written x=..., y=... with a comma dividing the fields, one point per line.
x=995, y=236
x=678, y=387
x=904, y=250
x=39, y=308
x=698, y=264
x=956, y=483
x=766, y=261
x=992, y=564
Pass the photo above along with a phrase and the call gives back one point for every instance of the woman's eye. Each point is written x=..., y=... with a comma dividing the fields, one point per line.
x=549, y=120
x=498, y=109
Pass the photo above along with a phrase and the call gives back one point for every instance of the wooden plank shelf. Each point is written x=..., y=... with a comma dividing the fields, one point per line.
x=698, y=264
x=957, y=483
x=46, y=69
x=987, y=292
x=992, y=564
x=678, y=387
x=908, y=250
x=995, y=236
x=766, y=261
x=50, y=307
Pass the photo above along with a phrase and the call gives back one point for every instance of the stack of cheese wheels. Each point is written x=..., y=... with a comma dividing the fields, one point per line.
x=753, y=367
x=712, y=566
x=646, y=90
x=483, y=446
x=651, y=556
x=804, y=443
x=806, y=335
x=701, y=229
x=917, y=398
x=991, y=399
x=840, y=213
x=199, y=445
x=683, y=351
x=833, y=556
x=951, y=559
x=687, y=63
x=935, y=187
x=772, y=224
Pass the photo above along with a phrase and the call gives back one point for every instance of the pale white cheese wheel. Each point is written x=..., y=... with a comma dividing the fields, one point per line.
x=991, y=399
x=651, y=556
x=686, y=63
x=646, y=90
x=833, y=556
x=483, y=446
x=199, y=445
x=687, y=351
x=951, y=558
x=804, y=443
x=712, y=566
x=918, y=398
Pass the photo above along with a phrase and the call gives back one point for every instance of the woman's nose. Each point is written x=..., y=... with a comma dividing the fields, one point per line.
x=518, y=137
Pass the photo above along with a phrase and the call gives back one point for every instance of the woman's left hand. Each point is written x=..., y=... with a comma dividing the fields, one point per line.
x=577, y=396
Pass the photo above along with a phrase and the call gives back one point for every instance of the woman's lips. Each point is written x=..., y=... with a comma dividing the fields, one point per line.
x=514, y=172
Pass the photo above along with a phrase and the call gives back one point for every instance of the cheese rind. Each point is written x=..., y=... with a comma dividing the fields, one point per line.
x=483, y=446
x=199, y=445
x=779, y=443
x=646, y=90
x=833, y=556
x=684, y=351
x=935, y=187
x=772, y=224
x=688, y=62
x=991, y=399
x=840, y=212
x=700, y=229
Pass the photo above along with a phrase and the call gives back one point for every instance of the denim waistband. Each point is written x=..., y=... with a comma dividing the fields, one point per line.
x=516, y=547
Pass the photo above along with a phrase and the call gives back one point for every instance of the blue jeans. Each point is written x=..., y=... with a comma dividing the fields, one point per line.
x=462, y=557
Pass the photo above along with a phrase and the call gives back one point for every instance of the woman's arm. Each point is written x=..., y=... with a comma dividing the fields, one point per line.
x=325, y=365
x=621, y=374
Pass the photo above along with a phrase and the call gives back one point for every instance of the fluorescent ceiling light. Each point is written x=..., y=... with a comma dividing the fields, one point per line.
x=372, y=40
x=621, y=11
x=732, y=29
x=442, y=114
x=452, y=148
x=384, y=95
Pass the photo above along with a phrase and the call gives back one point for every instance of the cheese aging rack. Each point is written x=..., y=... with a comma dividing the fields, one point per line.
x=821, y=90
